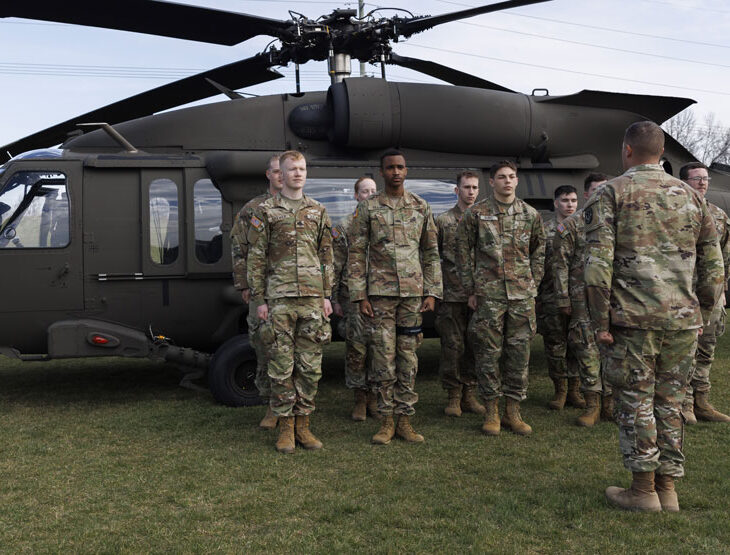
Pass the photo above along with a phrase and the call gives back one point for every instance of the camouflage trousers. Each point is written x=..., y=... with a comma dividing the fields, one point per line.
x=300, y=329
x=500, y=332
x=352, y=328
x=706, y=343
x=582, y=343
x=553, y=326
x=649, y=370
x=263, y=384
x=395, y=334
x=456, y=365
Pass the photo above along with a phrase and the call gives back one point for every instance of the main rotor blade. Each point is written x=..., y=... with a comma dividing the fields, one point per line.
x=154, y=17
x=244, y=73
x=410, y=27
x=450, y=75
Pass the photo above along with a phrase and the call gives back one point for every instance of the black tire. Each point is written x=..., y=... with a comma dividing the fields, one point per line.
x=232, y=372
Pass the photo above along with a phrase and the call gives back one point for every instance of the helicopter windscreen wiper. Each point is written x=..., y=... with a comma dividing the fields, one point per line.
x=153, y=17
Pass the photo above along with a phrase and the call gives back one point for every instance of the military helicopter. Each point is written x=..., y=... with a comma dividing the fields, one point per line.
x=118, y=240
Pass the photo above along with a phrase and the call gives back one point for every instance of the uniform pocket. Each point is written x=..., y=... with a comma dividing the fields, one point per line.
x=317, y=330
x=616, y=370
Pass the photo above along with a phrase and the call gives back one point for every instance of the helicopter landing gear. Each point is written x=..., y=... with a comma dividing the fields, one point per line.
x=231, y=373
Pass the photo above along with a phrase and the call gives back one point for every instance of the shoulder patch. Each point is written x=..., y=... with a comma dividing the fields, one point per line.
x=256, y=223
x=560, y=228
x=588, y=215
x=335, y=233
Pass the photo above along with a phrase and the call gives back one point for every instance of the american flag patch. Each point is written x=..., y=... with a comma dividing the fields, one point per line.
x=256, y=223
x=335, y=233
x=561, y=228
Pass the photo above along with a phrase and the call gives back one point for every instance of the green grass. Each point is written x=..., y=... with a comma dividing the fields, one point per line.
x=110, y=455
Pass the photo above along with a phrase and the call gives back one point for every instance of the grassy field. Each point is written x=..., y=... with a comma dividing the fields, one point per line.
x=110, y=455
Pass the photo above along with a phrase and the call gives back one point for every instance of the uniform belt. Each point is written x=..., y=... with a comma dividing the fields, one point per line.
x=408, y=330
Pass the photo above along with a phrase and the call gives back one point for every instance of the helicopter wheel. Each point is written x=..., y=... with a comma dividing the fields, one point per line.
x=232, y=372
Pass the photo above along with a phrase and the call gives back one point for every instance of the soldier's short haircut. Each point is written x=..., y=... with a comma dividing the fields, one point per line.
x=565, y=190
x=646, y=139
x=592, y=177
x=293, y=154
x=390, y=152
x=684, y=170
x=465, y=174
x=273, y=157
x=499, y=165
x=360, y=180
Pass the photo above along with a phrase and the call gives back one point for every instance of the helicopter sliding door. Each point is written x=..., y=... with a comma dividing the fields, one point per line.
x=41, y=237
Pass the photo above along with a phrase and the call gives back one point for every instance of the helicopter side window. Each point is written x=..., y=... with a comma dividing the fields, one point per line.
x=164, y=221
x=208, y=217
x=34, y=211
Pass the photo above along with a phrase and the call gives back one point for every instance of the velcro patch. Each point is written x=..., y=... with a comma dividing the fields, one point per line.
x=588, y=215
x=561, y=228
x=335, y=233
x=256, y=223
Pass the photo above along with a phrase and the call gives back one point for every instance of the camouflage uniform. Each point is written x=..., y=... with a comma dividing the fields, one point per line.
x=706, y=343
x=569, y=248
x=351, y=326
x=239, y=252
x=644, y=232
x=394, y=263
x=551, y=323
x=290, y=269
x=501, y=253
x=456, y=366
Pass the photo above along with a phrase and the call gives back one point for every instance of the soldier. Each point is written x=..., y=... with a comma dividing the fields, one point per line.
x=569, y=248
x=395, y=275
x=290, y=274
x=645, y=230
x=239, y=251
x=456, y=366
x=552, y=324
x=698, y=406
x=501, y=255
x=351, y=323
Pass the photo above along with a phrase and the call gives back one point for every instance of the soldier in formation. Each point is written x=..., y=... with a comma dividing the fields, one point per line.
x=501, y=256
x=456, y=365
x=552, y=323
x=569, y=249
x=645, y=231
x=352, y=326
x=395, y=276
x=239, y=251
x=290, y=275
x=697, y=404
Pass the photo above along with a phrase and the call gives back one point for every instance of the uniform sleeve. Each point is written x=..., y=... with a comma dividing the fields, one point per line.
x=357, y=262
x=324, y=252
x=433, y=285
x=710, y=267
x=599, y=215
x=725, y=247
x=537, y=249
x=465, y=243
x=239, y=250
x=258, y=254
x=339, y=260
x=563, y=249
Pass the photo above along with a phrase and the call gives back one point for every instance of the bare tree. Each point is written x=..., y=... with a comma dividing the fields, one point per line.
x=709, y=142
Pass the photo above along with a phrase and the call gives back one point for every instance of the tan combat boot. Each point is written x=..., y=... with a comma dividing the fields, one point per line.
x=607, y=408
x=574, y=397
x=641, y=496
x=705, y=411
x=688, y=411
x=285, y=443
x=304, y=435
x=386, y=431
x=512, y=420
x=268, y=422
x=454, y=406
x=667, y=494
x=469, y=402
x=592, y=413
x=373, y=406
x=491, y=419
x=561, y=392
x=359, y=412
x=406, y=432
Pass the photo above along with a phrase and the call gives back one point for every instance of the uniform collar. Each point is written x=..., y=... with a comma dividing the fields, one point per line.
x=396, y=202
x=645, y=168
x=514, y=208
x=306, y=201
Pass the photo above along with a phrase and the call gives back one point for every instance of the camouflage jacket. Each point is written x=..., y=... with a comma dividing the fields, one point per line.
x=291, y=252
x=447, y=224
x=340, y=249
x=394, y=249
x=239, y=240
x=501, y=250
x=569, y=248
x=546, y=289
x=645, y=231
x=723, y=233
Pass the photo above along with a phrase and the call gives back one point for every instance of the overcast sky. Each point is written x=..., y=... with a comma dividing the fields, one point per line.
x=53, y=72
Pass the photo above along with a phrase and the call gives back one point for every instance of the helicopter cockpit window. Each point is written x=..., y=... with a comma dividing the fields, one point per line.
x=164, y=223
x=34, y=211
x=208, y=217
